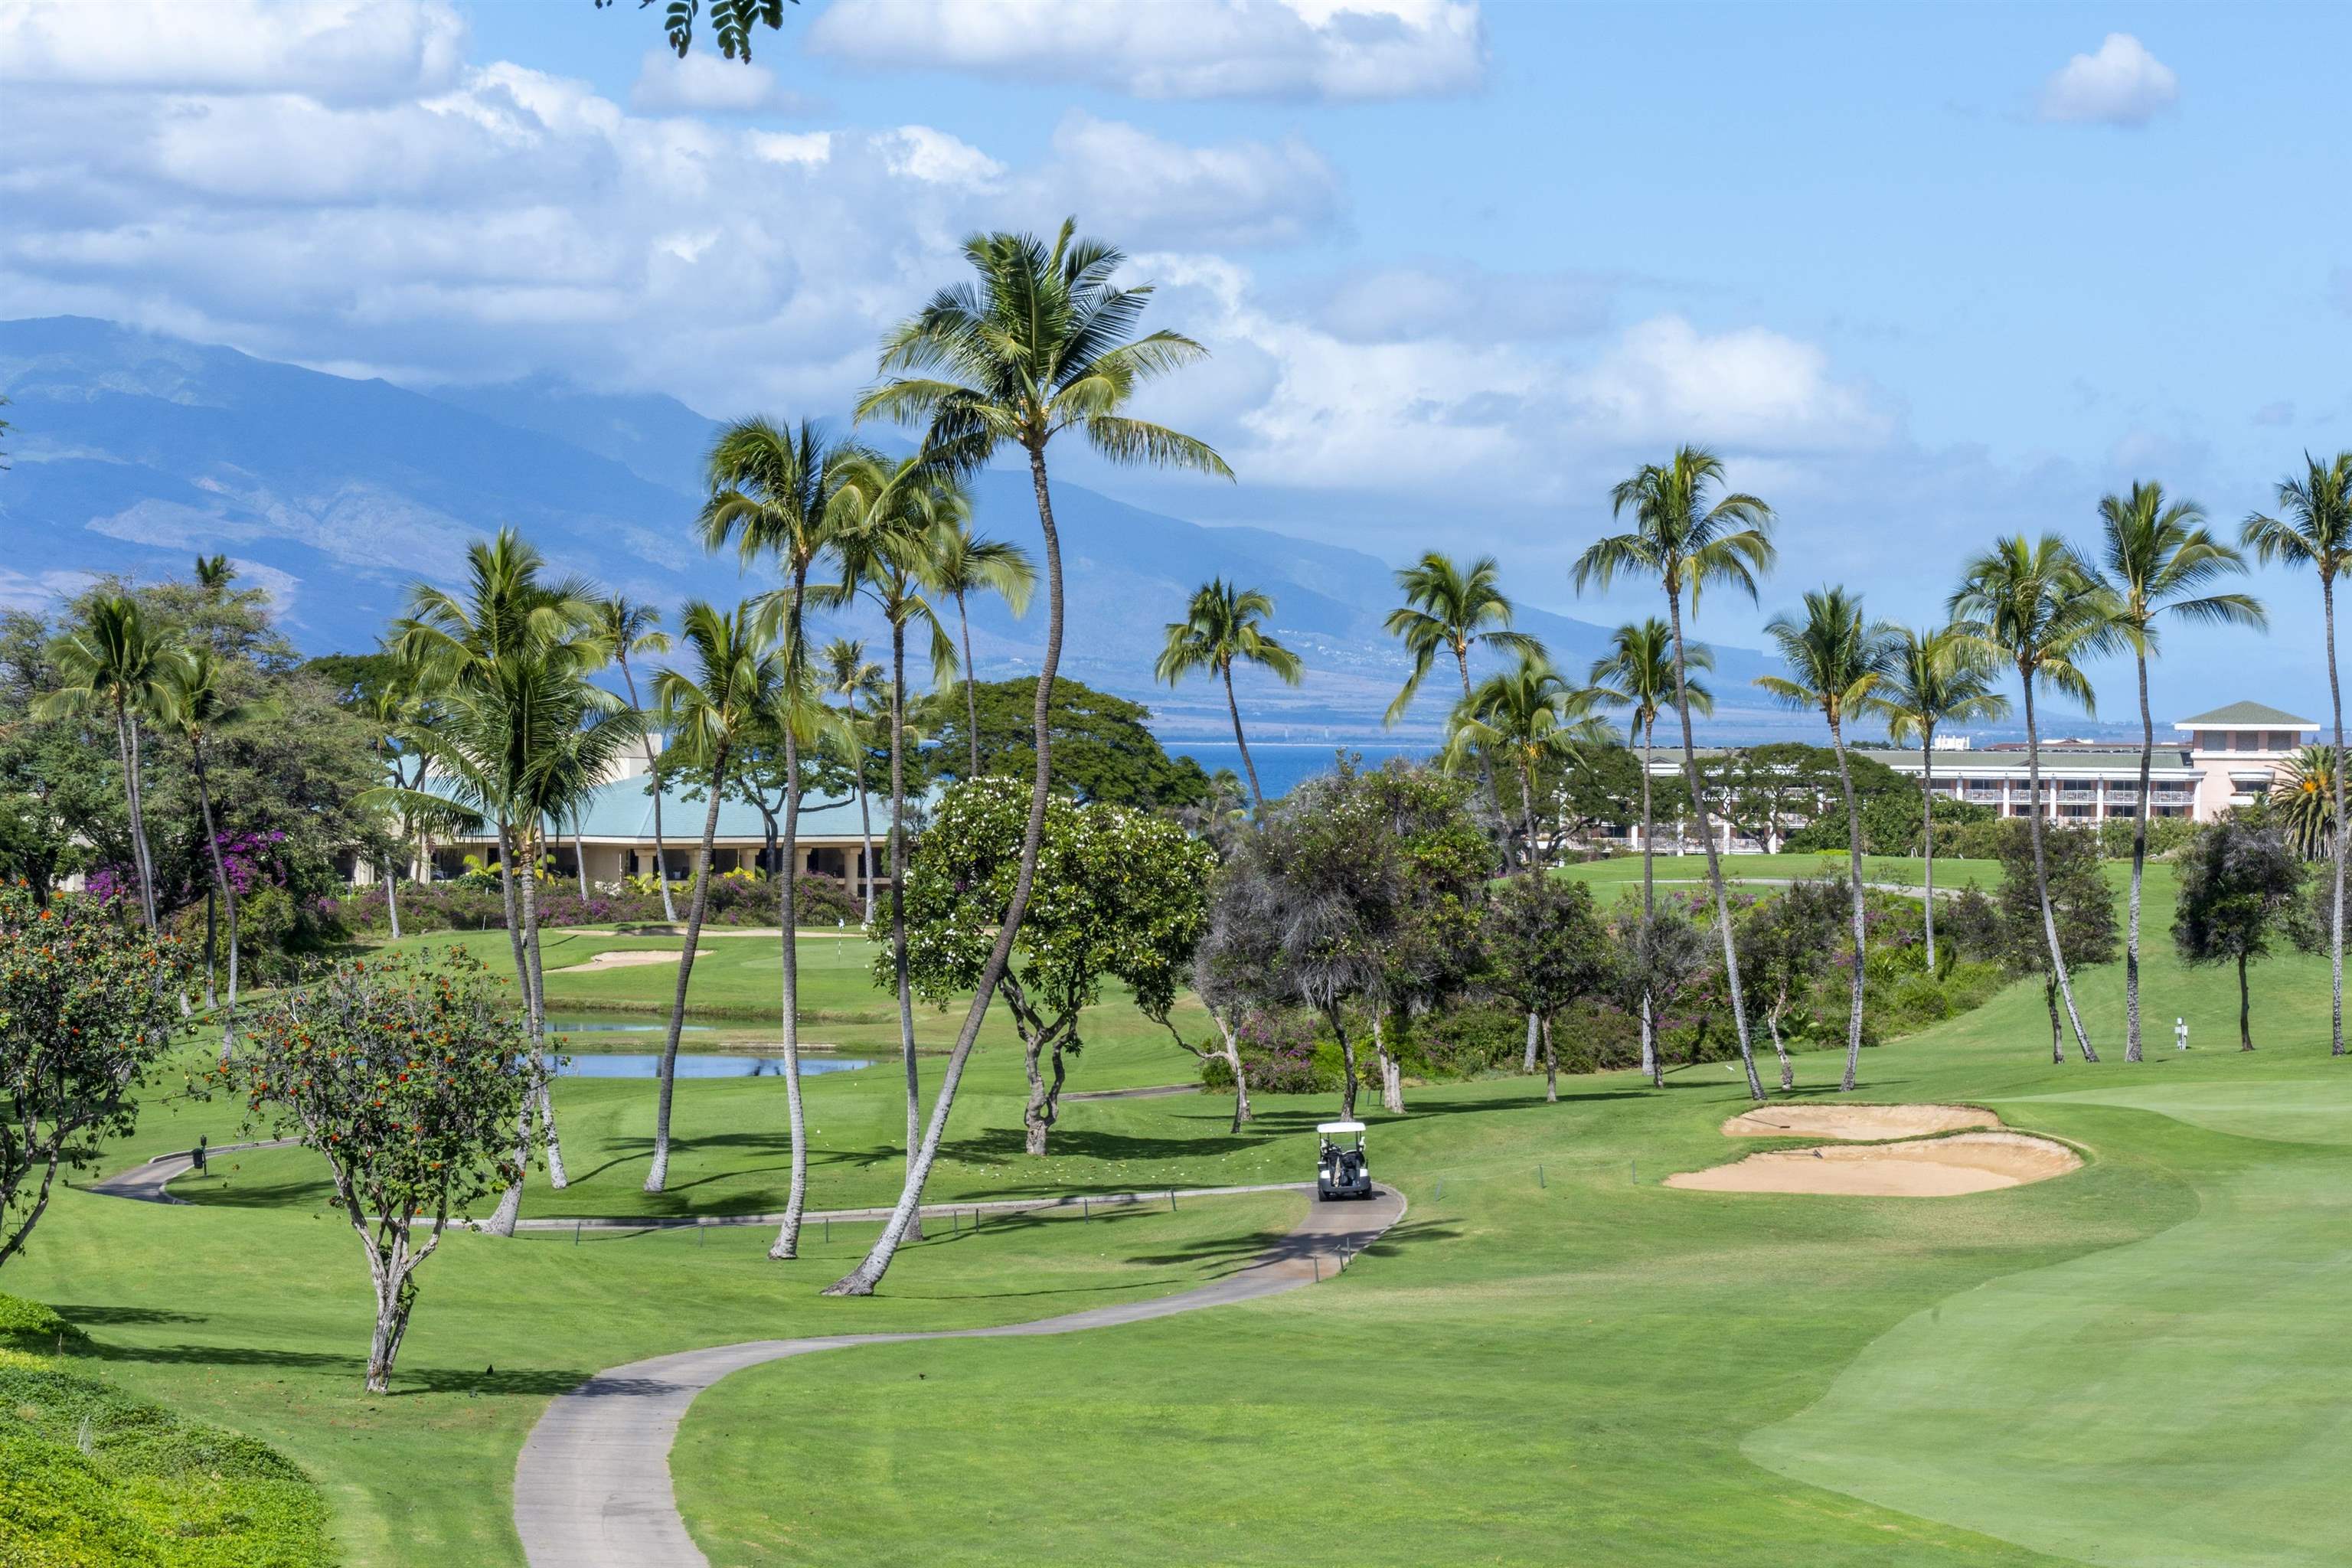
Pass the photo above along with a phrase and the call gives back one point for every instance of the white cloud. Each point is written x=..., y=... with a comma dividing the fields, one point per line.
x=1128, y=182
x=1666, y=381
x=20, y=592
x=1454, y=299
x=706, y=82
x=2122, y=84
x=1339, y=49
x=341, y=50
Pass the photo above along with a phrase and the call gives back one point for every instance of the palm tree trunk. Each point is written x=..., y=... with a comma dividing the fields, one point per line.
x=212, y=946
x=1527, y=810
x=1485, y=768
x=392, y=895
x=1854, y=857
x=1649, y=904
x=899, y=905
x=1928, y=828
x=970, y=698
x=861, y=1280
x=2139, y=863
x=652, y=776
x=787, y=1243
x=126, y=740
x=2335, y=926
x=1551, y=1068
x=865, y=828
x=1249, y=767
x=502, y=1221
x=2245, y=1008
x=514, y=912
x=579, y=857
x=227, y=894
x=1706, y=840
x=667, y=1071
x=2042, y=869
x=1788, y=1068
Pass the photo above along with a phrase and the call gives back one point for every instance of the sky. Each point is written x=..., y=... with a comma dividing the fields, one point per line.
x=1923, y=274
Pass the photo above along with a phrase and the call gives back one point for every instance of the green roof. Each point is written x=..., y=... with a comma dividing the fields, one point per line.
x=2246, y=716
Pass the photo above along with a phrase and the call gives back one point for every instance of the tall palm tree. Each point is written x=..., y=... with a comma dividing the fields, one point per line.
x=1221, y=628
x=2299, y=800
x=706, y=710
x=1447, y=609
x=2042, y=606
x=631, y=628
x=1689, y=541
x=2314, y=528
x=2159, y=559
x=213, y=573
x=1528, y=715
x=966, y=564
x=1933, y=678
x=1040, y=341
x=780, y=492
x=196, y=706
x=888, y=552
x=1638, y=674
x=848, y=674
x=1837, y=663
x=113, y=660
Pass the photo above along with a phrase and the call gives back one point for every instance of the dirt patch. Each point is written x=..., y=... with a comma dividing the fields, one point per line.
x=1928, y=1168
x=625, y=958
x=1860, y=1122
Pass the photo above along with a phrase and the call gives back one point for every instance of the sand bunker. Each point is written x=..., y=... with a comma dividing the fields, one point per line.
x=625, y=958
x=1928, y=1168
x=1856, y=1122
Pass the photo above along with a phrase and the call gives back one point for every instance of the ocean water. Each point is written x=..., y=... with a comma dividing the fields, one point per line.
x=1281, y=765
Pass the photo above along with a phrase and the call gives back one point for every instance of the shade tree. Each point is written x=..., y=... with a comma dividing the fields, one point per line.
x=2239, y=888
x=1787, y=943
x=1546, y=948
x=2055, y=909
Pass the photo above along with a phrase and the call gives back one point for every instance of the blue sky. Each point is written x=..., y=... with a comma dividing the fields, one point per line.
x=1922, y=272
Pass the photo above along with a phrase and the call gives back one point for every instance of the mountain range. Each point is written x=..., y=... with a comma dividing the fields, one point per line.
x=132, y=452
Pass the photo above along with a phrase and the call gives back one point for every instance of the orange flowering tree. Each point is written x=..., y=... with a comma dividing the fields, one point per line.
x=408, y=1076
x=86, y=1007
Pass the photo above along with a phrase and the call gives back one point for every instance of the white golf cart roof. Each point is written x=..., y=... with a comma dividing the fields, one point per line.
x=1339, y=1128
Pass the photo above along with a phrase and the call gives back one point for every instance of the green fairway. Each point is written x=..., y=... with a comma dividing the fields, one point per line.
x=1553, y=1358
x=1682, y=871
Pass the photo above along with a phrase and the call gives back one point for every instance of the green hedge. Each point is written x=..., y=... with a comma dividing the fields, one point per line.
x=90, y=1476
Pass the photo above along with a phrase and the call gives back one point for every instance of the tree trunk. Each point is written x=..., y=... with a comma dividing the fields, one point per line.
x=1649, y=903
x=898, y=908
x=970, y=698
x=1706, y=840
x=653, y=777
x=1527, y=810
x=1485, y=768
x=2057, y=1038
x=787, y=1243
x=1528, y=1063
x=502, y=1220
x=1928, y=828
x=2041, y=868
x=579, y=859
x=212, y=946
x=1551, y=1068
x=2245, y=1009
x=392, y=896
x=1392, y=1078
x=1226, y=669
x=227, y=897
x=1788, y=1068
x=2336, y=927
x=861, y=1280
x=1346, y=1064
x=1854, y=856
x=555, y=1175
x=695, y=909
x=394, y=1299
x=2140, y=862
x=1240, y=1083
x=127, y=746
x=1037, y=1115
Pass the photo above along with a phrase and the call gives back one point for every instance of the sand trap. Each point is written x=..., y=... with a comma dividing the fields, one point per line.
x=625, y=958
x=1856, y=1122
x=1929, y=1168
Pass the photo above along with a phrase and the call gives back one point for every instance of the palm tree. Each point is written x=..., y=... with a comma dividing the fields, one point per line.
x=780, y=492
x=965, y=563
x=2313, y=529
x=196, y=706
x=889, y=550
x=114, y=660
x=1221, y=627
x=630, y=627
x=2159, y=559
x=1446, y=608
x=1835, y=665
x=1689, y=543
x=213, y=574
x=2042, y=606
x=1638, y=673
x=1038, y=343
x=1531, y=715
x=1933, y=678
x=2299, y=800
x=733, y=683
x=848, y=674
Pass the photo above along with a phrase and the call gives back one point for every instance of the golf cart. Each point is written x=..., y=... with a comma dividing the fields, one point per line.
x=1343, y=1171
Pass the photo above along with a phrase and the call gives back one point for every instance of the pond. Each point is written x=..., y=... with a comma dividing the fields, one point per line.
x=589, y=1053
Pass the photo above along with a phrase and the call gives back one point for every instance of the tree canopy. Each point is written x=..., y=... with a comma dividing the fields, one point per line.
x=1103, y=749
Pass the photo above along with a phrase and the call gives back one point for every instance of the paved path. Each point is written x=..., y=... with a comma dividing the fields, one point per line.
x=146, y=1183
x=592, y=1488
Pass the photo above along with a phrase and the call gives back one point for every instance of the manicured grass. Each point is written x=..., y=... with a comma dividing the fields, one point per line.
x=1553, y=1359
x=1681, y=871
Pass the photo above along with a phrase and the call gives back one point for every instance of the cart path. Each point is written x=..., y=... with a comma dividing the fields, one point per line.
x=592, y=1487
